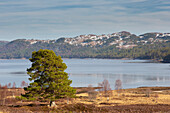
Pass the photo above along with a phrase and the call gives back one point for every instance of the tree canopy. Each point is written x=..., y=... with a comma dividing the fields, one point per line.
x=48, y=76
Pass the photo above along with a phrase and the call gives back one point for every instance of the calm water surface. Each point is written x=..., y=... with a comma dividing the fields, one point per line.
x=93, y=71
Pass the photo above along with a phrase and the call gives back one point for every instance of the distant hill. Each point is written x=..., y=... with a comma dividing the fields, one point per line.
x=2, y=43
x=116, y=45
x=166, y=59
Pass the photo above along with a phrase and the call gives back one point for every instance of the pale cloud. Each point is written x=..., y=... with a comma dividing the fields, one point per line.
x=137, y=0
x=164, y=7
x=55, y=18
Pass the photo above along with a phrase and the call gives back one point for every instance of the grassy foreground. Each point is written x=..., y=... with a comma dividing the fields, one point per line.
x=144, y=99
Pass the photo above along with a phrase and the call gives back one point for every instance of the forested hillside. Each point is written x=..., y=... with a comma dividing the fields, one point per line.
x=2, y=43
x=117, y=45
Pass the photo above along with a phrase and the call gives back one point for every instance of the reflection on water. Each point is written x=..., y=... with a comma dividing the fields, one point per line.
x=20, y=72
x=158, y=78
x=128, y=81
x=93, y=71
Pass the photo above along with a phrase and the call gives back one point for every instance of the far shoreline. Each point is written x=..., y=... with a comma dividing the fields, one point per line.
x=79, y=58
x=146, y=60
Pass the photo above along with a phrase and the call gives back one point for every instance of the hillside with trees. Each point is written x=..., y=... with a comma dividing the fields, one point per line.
x=114, y=46
x=166, y=59
x=2, y=43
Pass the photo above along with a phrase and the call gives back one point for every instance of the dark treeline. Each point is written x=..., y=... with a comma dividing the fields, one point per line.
x=22, y=49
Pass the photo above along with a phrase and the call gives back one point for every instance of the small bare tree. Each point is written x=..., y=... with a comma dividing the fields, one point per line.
x=100, y=89
x=91, y=93
x=90, y=87
x=156, y=97
x=118, y=86
x=9, y=85
x=148, y=92
x=24, y=84
x=105, y=88
x=14, y=85
x=4, y=93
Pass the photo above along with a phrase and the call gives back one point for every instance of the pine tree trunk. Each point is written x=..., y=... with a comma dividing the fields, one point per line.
x=67, y=100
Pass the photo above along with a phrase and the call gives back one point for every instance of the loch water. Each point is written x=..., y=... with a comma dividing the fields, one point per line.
x=82, y=72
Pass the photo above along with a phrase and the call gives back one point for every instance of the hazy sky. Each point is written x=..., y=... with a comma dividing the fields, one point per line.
x=51, y=19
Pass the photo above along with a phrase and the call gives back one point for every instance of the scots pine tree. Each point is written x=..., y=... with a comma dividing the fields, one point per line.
x=48, y=76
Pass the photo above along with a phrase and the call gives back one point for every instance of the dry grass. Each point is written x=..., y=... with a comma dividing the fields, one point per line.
x=130, y=100
x=157, y=95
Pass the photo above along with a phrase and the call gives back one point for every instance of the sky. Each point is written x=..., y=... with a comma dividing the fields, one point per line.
x=52, y=19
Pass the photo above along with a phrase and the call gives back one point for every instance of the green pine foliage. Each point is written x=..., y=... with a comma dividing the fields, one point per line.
x=48, y=76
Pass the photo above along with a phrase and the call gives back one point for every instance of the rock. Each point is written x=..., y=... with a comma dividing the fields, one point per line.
x=52, y=105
